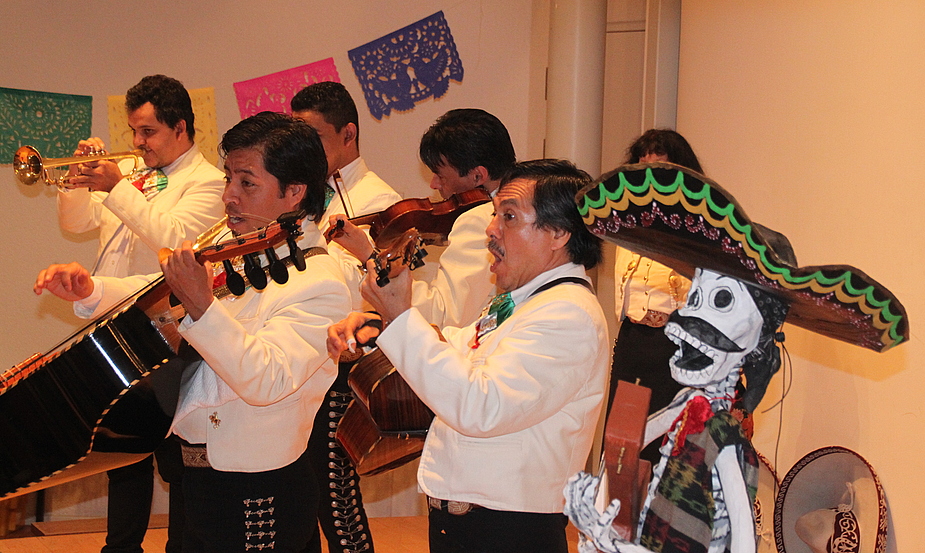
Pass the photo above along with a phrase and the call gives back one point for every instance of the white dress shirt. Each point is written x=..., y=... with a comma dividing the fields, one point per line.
x=365, y=193
x=643, y=285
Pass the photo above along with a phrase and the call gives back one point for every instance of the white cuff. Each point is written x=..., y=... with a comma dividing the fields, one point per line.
x=84, y=308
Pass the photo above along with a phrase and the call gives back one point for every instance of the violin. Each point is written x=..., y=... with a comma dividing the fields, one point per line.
x=433, y=220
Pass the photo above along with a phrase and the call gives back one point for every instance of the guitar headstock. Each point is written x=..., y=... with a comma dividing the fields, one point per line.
x=406, y=250
x=287, y=228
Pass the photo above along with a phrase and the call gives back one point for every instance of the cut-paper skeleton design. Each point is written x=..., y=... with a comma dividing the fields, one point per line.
x=745, y=281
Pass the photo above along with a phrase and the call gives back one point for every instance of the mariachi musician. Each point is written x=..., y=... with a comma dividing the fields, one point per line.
x=352, y=190
x=245, y=409
x=174, y=198
x=517, y=393
x=466, y=149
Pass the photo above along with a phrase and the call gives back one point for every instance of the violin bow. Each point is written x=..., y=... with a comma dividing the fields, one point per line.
x=344, y=197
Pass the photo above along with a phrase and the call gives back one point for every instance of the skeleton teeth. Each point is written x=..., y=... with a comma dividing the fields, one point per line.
x=684, y=356
x=678, y=335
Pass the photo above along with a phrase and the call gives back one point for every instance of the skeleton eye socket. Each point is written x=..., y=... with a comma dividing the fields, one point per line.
x=693, y=299
x=722, y=300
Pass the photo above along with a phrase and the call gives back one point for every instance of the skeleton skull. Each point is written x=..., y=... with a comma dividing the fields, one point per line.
x=718, y=326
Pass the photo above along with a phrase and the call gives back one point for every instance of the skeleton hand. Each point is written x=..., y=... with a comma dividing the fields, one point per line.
x=597, y=532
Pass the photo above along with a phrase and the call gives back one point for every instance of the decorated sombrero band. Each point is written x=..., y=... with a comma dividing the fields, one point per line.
x=684, y=220
x=831, y=501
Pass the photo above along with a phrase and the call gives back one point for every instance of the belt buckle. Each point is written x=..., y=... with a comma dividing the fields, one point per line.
x=654, y=319
x=458, y=508
x=194, y=456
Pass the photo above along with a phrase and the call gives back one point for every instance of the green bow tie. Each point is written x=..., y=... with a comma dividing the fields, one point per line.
x=149, y=181
x=502, y=306
x=499, y=310
x=328, y=195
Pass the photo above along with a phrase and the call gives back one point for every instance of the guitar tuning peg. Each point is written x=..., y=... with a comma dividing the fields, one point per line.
x=418, y=260
x=233, y=280
x=254, y=272
x=278, y=271
x=296, y=254
x=381, y=268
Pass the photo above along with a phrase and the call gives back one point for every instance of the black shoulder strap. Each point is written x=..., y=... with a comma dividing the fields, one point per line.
x=562, y=280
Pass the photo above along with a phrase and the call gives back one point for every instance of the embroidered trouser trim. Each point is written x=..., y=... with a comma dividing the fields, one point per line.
x=341, y=514
x=271, y=510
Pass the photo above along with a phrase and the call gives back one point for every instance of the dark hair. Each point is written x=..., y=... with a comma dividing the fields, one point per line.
x=664, y=142
x=331, y=100
x=764, y=361
x=292, y=152
x=557, y=183
x=171, y=101
x=468, y=138
x=760, y=364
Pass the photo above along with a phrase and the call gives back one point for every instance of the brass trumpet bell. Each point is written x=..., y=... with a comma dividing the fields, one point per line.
x=27, y=164
x=30, y=167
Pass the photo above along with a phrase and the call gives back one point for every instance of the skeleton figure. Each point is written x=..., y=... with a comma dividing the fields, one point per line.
x=702, y=489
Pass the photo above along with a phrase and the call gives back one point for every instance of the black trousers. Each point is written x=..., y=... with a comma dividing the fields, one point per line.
x=228, y=512
x=129, y=506
x=170, y=467
x=340, y=508
x=489, y=531
x=131, y=489
x=642, y=352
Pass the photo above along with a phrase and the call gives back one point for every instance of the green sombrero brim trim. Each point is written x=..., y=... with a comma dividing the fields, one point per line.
x=683, y=220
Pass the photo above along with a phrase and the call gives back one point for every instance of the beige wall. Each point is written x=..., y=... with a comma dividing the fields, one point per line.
x=104, y=47
x=810, y=112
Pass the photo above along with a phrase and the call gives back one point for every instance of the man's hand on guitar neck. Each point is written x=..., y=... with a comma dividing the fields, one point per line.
x=70, y=282
x=189, y=279
x=390, y=300
x=387, y=285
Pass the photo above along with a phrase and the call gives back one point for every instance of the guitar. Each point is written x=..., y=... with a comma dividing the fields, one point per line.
x=385, y=425
x=105, y=396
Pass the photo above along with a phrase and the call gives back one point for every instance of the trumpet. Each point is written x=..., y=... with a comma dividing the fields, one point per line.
x=211, y=234
x=30, y=167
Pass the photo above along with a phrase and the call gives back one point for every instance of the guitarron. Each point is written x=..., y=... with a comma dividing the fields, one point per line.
x=105, y=397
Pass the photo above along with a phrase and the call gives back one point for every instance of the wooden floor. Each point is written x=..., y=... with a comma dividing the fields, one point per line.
x=391, y=535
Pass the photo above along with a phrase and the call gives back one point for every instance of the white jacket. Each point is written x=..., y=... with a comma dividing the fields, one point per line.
x=515, y=416
x=268, y=347
x=191, y=203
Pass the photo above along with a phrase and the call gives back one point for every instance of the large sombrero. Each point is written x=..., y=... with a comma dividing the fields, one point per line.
x=684, y=220
x=831, y=500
